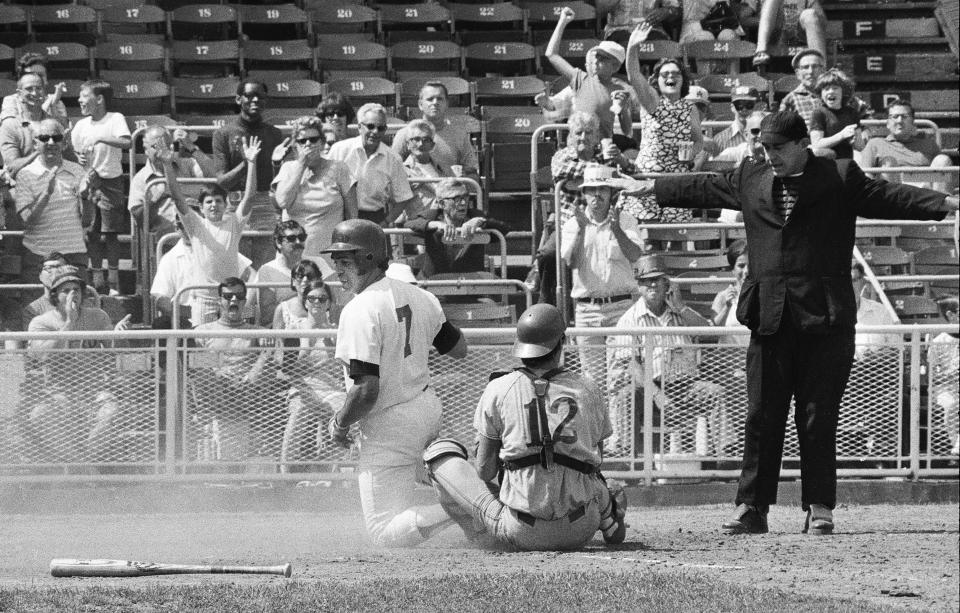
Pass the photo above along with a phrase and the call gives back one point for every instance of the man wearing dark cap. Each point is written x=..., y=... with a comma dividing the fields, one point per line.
x=682, y=399
x=743, y=101
x=799, y=212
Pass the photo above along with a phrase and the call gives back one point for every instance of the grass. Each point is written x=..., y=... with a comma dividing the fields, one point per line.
x=483, y=593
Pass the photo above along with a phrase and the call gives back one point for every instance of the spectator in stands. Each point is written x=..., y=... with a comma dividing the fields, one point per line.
x=36, y=63
x=48, y=202
x=382, y=187
x=594, y=90
x=744, y=100
x=599, y=243
x=835, y=126
x=808, y=65
x=421, y=142
x=452, y=148
x=78, y=383
x=445, y=230
x=229, y=145
x=236, y=390
x=724, y=306
x=18, y=125
x=943, y=359
x=749, y=148
x=99, y=140
x=329, y=138
x=791, y=23
x=670, y=127
x=214, y=233
x=289, y=238
x=700, y=98
x=710, y=20
x=314, y=191
x=871, y=313
x=292, y=308
x=189, y=163
x=175, y=271
x=336, y=111
x=52, y=264
x=681, y=397
x=904, y=145
x=625, y=15
x=315, y=377
x=566, y=168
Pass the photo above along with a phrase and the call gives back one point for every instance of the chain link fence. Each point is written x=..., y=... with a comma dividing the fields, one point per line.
x=256, y=403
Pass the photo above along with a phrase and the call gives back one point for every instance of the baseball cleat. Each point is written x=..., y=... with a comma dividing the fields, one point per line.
x=747, y=519
x=819, y=520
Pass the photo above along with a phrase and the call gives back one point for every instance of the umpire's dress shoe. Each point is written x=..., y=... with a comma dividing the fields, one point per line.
x=747, y=519
x=819, y=520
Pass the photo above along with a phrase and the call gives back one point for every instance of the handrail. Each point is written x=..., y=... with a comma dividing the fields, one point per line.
x=874, y=283
x=491, y=231
x=175, y=320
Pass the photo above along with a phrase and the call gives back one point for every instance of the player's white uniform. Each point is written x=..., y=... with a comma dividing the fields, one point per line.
x=537, y=508
x=393, y=324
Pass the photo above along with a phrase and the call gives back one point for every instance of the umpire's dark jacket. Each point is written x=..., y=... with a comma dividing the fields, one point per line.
x=804, y=262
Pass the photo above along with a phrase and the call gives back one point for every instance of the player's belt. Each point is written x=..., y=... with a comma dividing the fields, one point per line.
x=605, y=299
x=574, y=515
x=559, y=458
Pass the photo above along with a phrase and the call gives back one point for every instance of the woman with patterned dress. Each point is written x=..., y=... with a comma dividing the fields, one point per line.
x=666, y=120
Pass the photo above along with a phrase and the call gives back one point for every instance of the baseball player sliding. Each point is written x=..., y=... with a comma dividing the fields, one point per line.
x=383, y=341
x=543, y=427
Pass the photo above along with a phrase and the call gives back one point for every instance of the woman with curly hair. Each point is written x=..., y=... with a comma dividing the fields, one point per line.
x=312, y=190
x=668, y=122
x=835, y=126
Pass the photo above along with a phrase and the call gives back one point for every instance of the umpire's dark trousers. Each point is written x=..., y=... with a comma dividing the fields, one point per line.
x=813, y=369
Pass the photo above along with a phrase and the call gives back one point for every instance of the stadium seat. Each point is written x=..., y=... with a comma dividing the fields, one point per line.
x=542, y=19
x=345, y=18
x=204, y=21
x=501, y=58
x=142, y=122
x=916, y=238
x=7, y=87
x=207, y=58
x=573, y=50
x=141, y=98
x=365, y=89
x=934, y=259
x=489, y=22
x=891, y=260
x=427, y=21
x=139, y=23
x=275, y=22
x=64, y=60
x=917, y=310
x=280, y=56
x=480, y=314
x=678, y=262
x=352, y=59
x=785, y=84
x=460, y=92
x=666, y=238
x=208, y=95
x=64, y=23
x=868, y=236
x=127, y=61
x=294, y=93
x=507, y=151
x=439, y=57
x=730, y=51
x=508, y=90
x=7, y=56
x=719, y=86
x=14, y=29
x=653, y=50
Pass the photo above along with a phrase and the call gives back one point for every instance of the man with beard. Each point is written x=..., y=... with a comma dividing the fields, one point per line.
x=383, y=341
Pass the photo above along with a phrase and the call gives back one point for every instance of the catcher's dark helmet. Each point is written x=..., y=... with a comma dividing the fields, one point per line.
x=539, y=330
x=364, y=239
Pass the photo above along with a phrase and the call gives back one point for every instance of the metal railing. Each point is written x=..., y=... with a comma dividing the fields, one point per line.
x=175, y=404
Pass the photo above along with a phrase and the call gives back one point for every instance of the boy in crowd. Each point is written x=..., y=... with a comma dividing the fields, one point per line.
x=99, y=140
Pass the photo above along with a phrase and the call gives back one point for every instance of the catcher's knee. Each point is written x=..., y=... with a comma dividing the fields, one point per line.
x=442, y=448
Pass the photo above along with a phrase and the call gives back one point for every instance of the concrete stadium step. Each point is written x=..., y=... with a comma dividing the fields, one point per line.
x=852, y=30
x=937, y=100
x=897, y=68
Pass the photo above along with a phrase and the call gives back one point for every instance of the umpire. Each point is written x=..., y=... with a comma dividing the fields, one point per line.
x=800, y=212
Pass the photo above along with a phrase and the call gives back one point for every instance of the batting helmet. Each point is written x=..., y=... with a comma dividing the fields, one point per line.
x=364, y=239
x=539, y=330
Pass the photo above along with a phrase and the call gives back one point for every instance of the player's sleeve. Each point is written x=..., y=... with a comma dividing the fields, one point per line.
x=358, y=335
x=487, y=420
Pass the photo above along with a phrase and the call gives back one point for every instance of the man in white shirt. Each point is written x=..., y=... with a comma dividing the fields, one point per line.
x=382, y=186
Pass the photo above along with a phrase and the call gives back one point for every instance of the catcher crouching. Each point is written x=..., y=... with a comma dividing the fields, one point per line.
x=541, y=430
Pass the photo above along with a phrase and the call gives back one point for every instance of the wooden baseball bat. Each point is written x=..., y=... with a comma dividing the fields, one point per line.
x=69, y=567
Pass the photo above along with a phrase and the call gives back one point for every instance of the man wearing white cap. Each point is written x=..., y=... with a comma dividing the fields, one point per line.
x=599, y=244
x=594, y=90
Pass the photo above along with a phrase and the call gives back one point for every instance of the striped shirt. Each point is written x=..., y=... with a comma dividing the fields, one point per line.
x=55, y=226
x=673, y=354
x=785, y=192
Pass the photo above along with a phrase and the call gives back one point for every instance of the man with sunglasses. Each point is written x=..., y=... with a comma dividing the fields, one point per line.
x=230, y=163
x=19, y=123
x=47, y=198
x=289, y=238
x=421, y=142
x=382, y=187
x=743, y=101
